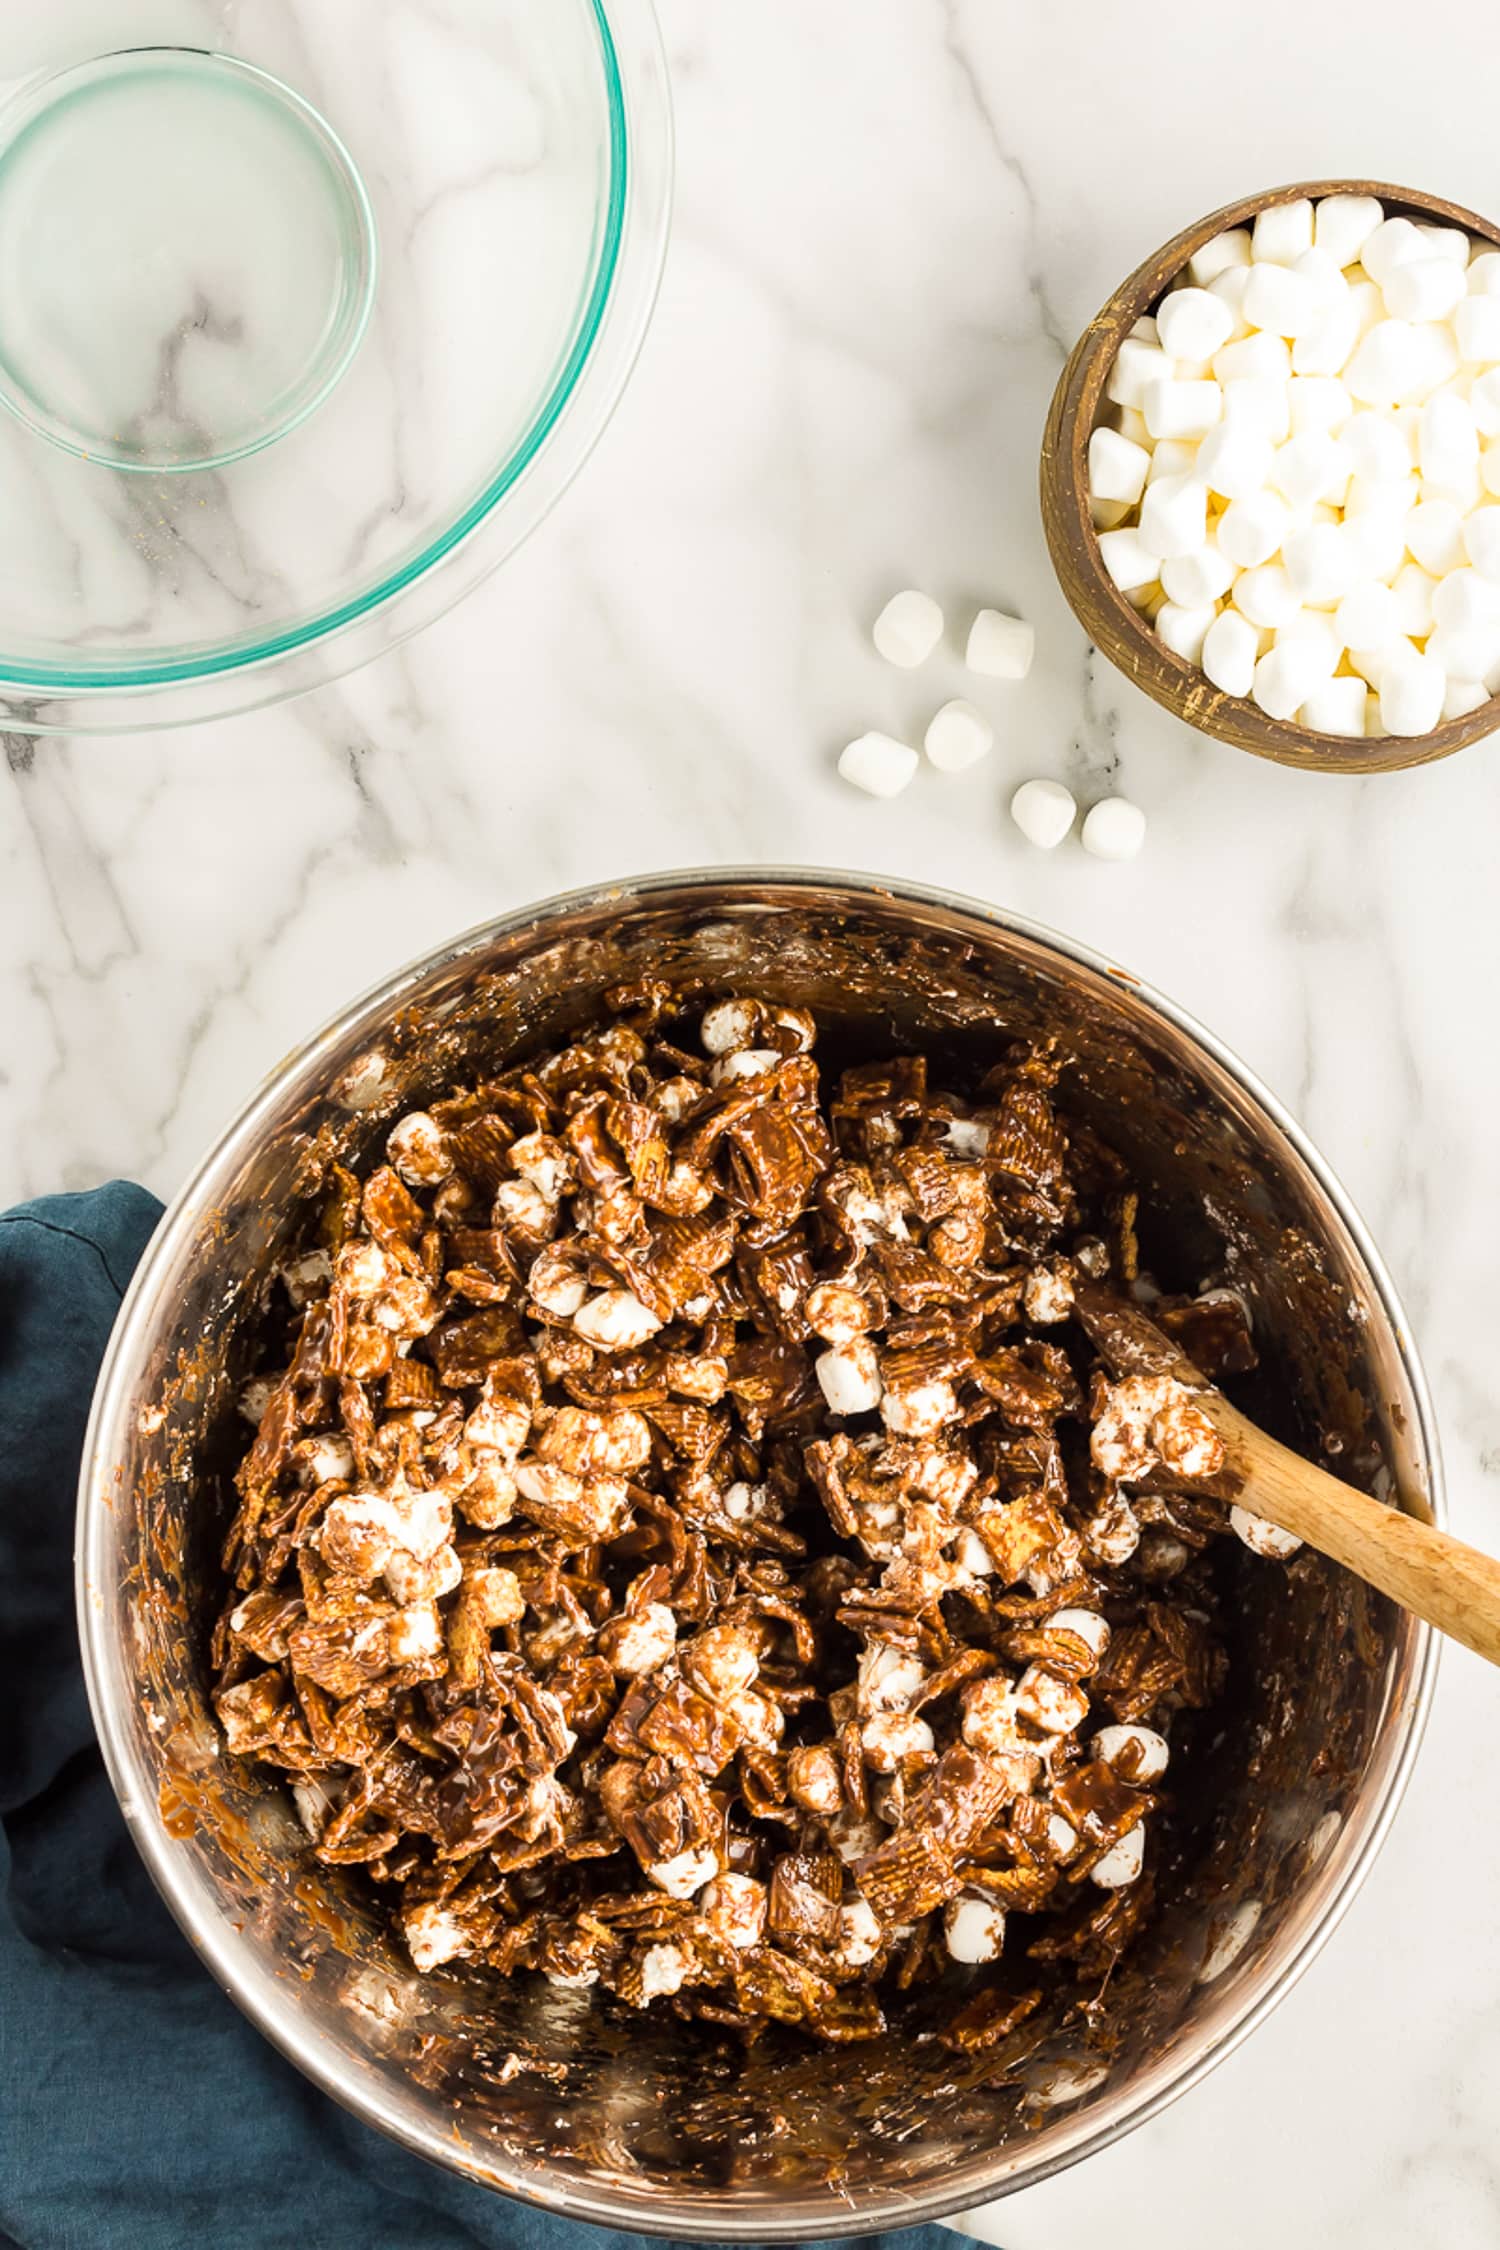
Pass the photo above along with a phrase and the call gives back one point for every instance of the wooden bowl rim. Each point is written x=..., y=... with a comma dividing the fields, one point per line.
x=1169, y=679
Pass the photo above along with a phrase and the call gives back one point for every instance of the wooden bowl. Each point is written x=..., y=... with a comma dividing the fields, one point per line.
x=1123, y=633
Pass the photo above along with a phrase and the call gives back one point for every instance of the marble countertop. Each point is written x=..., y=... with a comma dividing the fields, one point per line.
x=893, y=217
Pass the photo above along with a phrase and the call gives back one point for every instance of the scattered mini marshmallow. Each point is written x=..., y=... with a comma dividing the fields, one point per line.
x=1139, y=1754
x=1123, y=1862
x=1412, y=688
x=1128, y=562
x=1343, y=224
x=878, y=764
x=1282, y=232
x=1339, y=706
x=1183, y=630
x=957, y=737
x=1230, y=649
x=973, y=1928
x=1463, y=696
x=1221, y=255
x=1117, y=467
x=1000, y=647
x=908, y=629
x=1191, y=324
x=1114, y=829
x=1044, y=811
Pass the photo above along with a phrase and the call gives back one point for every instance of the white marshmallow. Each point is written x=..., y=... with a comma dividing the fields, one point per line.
x=1235, y=461
x=1117, y=467
x=1230, y=648
x=1367, y=616
x=1489, y=470
x=1199, y=578
x=1174, y=457
x=1287, y=675
x=1391, y=497
x=1145, y=1750
x=1220, y=255
x=1266, y=595
x=1469, y=652
x=1395, y=242
x=1107, y=515
x=1484, y=402
x=1484, y=274
x=1318, y=402
x=1229, y=287
x=1043, y=811
x=1085, y=1624
x=1337, y=707
x=1283, y=232
x=1192, y=324
x=1427, y=289
x=1466, y=601
x=849, y=1377
x=1131, y=423
x=1375, y=445
x=1412, y=687
x=1434, y=533
x=1445, y=242
x=1257, y=355
x=1122, y=1863
x=1251, y=530
x=1447, y=448
x=1377, y=543
x=1137, y=365
x=1343, y=224
x=957, y=737
x=1000, y=647
x=878, y=764
x=1476, y=328
x=1324, y=346
x=1283, y=302
x=1129, y=564
x=1173, y=518
x=1263, y=1538
x=1321, y=565
x=1182, y=629
x=1258, y=405
x=1463, y=696
x=1386, y=364
x=1307, y=467
x=1481, y=544
x=1436, y=359
x=973, y=1928
x=1114, y=829
x=1412, y=589
x=1174, y=408
x=1145, y=328
x=908, y=629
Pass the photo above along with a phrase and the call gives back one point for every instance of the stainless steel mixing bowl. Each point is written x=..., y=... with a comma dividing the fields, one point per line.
x=647, y=2123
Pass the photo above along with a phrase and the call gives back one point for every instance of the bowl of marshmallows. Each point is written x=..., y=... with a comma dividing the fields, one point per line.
x=1271, y=476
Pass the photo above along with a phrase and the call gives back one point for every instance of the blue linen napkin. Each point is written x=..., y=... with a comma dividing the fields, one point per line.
x=138, y=2108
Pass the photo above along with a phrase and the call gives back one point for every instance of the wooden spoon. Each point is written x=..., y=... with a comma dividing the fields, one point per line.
x=1437, y=1577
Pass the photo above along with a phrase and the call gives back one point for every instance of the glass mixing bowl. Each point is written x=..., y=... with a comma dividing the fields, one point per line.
x=307, y=316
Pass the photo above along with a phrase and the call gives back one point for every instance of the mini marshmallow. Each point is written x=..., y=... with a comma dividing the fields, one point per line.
x=1183, y=629
x=1283, y=232
x=1140, y=1752
x=1466, y=601
x=1132, y=424
x=1427, y=289
x=1136, y=366
x=1174, y=457
x=1122, y=1863
x=1235, y=461
x=1445, y=242
x=1343, y=224
x=908, y=629
x=1000, y=647
x=1182, y=409
x=1252, y=356
x=1484, y=274
x=1199, y=578
x=1391, y=497
x=957, y=737
x=1395, y=242
x=1367, y=616
x=1192, y=324
x=1320, y=564
x=1434, y=533
x=1145, y=327
x=1337, y=707
x=1283, y=302
x=1318, y=402
x=1412, y=687
x=1107, y=515
x=1447, y=448
x=849, y=1377
x=1377, y=543
x=1128, y=563
x=1312, y=630
x=1220, y=255
x=1114, y=829
x=1308, y=466
x=1463, y=696
x=1375, y=445
x=1465, y=652
x=1250, y=530
x=1436, y=359
x=1229, y=288
x=1489, y=469
x=1412, y=589
x=1287, y=675
x=1260, y=406
x=1117, y=467
x=1484, y=403
x=1230, y=648
x=1266, y=595
x=973, y=1928
x=1476, y=328
x=880, y=765
x=1324, y=346
x=1262, y=1538
x=1044, y=812
x=1482, y=545
x=1385, y=366
x=1173, y=518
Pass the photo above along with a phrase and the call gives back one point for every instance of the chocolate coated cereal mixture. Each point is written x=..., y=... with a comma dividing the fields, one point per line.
x=689, y=1548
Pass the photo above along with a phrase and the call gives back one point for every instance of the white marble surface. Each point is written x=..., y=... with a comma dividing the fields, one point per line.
x=893, y=216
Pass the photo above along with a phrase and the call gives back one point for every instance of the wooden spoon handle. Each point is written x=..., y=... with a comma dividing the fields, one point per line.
x=1452, y=1585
